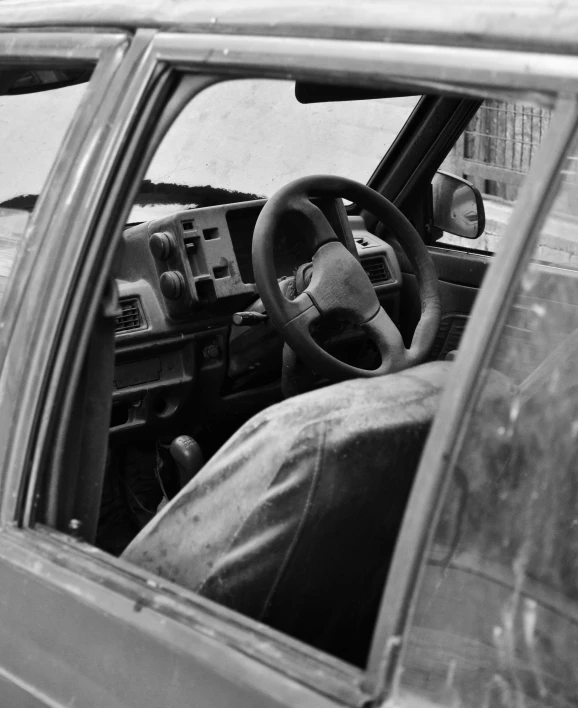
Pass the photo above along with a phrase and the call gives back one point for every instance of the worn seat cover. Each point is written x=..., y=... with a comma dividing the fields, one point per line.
x=294, y=521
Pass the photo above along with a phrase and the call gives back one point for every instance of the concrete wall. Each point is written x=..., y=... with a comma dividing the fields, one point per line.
x=250, y=136
x=254, y=136
x=32, y=127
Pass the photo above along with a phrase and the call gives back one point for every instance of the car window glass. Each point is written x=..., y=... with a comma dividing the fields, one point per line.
x=496, y=620
x=495, y=153
x=32, y=127
x=241, y=140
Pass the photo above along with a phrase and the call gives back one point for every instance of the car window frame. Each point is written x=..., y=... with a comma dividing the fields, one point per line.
x=397, y=177
x=236, y=57
x=106, y=50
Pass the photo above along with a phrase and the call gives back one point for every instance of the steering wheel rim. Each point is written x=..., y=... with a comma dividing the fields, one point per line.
x=339, y=284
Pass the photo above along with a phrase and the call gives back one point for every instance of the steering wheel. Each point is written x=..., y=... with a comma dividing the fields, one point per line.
x=339, y=285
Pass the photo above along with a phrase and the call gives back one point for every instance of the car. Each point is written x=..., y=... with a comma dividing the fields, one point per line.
x=288, y=371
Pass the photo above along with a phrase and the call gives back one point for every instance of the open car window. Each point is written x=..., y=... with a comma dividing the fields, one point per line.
x=496, y=615
x=236, y=141
x=191, y=425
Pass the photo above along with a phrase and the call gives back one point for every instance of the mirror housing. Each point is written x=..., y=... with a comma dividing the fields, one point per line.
x=458, y=207
x=309, y=92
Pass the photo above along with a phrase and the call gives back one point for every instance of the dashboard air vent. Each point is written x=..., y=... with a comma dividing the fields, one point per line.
x=376, y=269
x=130, y=316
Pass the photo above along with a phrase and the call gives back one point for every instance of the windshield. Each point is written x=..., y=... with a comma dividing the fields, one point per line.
x=241, y=140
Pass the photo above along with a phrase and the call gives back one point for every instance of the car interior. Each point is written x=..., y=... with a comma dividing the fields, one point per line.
x=230, y=303
x=209, y=332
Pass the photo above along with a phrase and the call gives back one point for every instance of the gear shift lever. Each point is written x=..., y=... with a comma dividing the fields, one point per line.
x=188, y=457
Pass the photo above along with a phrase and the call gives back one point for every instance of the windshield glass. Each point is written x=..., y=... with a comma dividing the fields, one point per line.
x=241, y=140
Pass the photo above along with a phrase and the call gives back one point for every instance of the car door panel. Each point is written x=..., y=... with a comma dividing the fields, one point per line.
x=69, y=638
x=460, y=277
x=457, y=300
x=16, y=693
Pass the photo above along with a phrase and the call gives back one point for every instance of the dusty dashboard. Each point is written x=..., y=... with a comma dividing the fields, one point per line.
x=194, y=259
x=180, y=280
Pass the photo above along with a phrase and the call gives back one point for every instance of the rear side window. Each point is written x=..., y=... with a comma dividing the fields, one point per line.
x=32, y=128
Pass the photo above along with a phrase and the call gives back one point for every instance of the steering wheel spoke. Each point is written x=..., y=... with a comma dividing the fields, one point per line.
x=385, y=335
x=311, y=222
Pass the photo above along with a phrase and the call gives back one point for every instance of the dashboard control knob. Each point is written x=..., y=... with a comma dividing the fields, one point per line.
x=162, y=245
x=172, y=284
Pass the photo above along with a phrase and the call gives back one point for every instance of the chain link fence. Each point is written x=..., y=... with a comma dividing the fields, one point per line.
x=497, y=148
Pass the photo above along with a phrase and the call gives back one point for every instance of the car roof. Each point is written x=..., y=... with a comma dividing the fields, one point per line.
x=531, y=25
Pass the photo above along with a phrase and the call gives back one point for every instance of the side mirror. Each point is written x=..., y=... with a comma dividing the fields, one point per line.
x=458, y=207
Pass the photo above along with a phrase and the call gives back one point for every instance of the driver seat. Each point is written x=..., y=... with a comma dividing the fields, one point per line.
x=294, y=521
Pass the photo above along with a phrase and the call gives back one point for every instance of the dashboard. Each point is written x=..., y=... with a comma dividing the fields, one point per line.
x=196, y=261
x=180, y=280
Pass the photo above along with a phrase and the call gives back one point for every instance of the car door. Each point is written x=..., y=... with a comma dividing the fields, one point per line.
x=493, y=615
x=78, y=625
